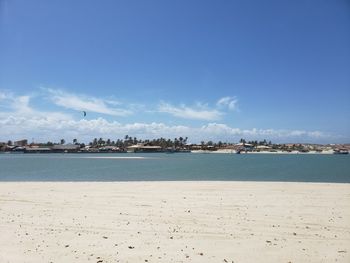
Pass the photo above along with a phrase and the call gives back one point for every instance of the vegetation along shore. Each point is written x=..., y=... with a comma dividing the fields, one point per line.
x=132, y=144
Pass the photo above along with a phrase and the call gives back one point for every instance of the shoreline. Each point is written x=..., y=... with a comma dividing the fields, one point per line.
x=193, y=151
x=189, y=182
x=174, y=221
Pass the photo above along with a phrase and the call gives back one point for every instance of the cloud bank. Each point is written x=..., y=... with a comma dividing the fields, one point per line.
x=54, y=126
x=18, y=119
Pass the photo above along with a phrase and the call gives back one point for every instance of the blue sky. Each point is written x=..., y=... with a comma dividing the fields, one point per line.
x=209, y=70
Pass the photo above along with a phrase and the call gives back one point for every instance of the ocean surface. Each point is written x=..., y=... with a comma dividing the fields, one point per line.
x=175, y=167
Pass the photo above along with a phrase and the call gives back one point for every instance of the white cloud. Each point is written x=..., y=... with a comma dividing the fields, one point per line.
x=229, y=102
x=21, y=104
x=5, y=96
x=84, y=103
x=20, y=120
x=199, y=112
x=13, y=103
x=2, y=95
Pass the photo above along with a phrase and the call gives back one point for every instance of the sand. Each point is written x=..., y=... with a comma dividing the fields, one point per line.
x=174, y=222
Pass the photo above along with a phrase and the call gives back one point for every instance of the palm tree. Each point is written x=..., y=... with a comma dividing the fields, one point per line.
x=62, y=141
x=220, y=144
x=176, y=142
x=181, y=141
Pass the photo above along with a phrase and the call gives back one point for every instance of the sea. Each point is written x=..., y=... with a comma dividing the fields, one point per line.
x=175, y=167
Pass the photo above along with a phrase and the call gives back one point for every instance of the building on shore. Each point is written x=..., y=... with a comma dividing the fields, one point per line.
x=37, y=150
x=65, y=148
x=21, y=143
x=2, y=146
x=244, y=146
x=109, y=149
x=144, y=148
x=263, y=148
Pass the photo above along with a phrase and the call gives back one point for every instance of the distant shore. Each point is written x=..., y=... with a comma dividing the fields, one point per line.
x=263, y=152
x=219, y=151
x=168, y=146
x=174, y=222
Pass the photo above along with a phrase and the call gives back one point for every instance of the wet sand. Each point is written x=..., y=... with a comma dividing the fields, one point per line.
x=174, y=222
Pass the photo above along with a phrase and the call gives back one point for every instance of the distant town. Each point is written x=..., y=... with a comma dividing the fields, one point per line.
x=132, y=144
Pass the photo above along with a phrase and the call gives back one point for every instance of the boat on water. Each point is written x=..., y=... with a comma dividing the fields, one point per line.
x=341, y=151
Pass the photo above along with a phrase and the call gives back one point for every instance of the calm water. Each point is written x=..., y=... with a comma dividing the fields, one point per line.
x=172, y=167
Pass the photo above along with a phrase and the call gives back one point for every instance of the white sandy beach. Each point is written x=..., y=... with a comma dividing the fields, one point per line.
x=174, y=222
